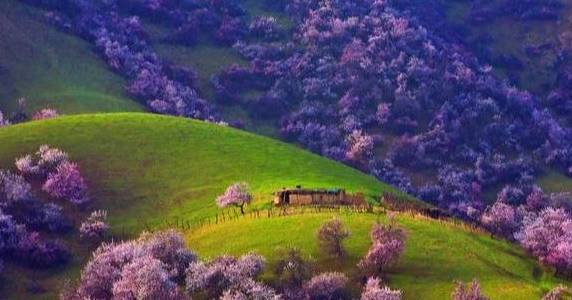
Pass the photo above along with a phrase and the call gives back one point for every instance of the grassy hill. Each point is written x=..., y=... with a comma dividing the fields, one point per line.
x=437, y=253
x=51, y=68
x=146, y=169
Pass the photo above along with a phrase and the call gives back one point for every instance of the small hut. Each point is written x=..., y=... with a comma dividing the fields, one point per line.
x=300, y=196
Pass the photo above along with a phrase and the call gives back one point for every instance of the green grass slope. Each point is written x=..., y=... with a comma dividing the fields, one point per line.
x=437, y=253
x=51, y=68
x=146, y=169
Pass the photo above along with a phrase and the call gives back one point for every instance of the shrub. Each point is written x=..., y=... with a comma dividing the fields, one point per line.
x=327, y=286
x=14, y=188
x=374, y=291
x=292, y=270
x=331, y=236
x=237, y=194
x=3, y=121
x=145, y=278
x=221, y=274
x=11, y=233
x=471, y=292
x=250, y=289
x=557, y=293
x=265, y=27
x=95, y=226
x=42, y=253
x=45, y=114
x=44, y=161
x=52, y=217
x=66, y=182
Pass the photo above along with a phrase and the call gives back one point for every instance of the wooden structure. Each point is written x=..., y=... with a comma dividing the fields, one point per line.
x=300, y=196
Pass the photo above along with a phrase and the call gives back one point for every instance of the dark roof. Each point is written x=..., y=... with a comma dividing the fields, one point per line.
x=311, y=191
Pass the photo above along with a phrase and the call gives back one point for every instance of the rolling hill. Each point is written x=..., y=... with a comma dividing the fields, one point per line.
x=146, y=169
x=53, y=69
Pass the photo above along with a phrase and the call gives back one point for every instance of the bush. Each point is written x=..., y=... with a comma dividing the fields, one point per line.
x=471, y=292
x=67, y=183
x=45, y=114
x=327, y=286
x=95, y=227
x=374, y=291
x=292, y=270
x=222, y=274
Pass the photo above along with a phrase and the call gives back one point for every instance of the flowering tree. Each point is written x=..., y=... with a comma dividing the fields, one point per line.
x=250, y=289
x=331, y=236
x=374, y=291
x=66, y=182
x=471, y=292
x=44, y=161
x=145, y=278
x=360, y=146
x=14, y=188
x=388, y=245
x=557, y=293
x=549, y=237
x=3, y=121
x=134, y=267
x=45, y=114
x=327, y=286
x=95, y=226
x=222, y=274
x=500, y=219
x=237, y=194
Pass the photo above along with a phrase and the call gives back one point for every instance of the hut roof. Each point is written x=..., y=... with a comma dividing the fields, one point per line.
x=310, y=191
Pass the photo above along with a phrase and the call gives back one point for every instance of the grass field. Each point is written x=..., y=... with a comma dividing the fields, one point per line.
x=437, y=253
x=53, y=69
x=147, y=168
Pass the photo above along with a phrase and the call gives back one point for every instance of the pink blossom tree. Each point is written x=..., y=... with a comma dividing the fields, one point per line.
x=223, y=273
x=145, y=278
x=470, y=292
x=374, y=291
x=66, y=182
x=388, y=245
x=360, y=146
x=237, y=194
x=117, y=269
x=549, y=238
x=44, y=161
x=500, y=219
x=331, y=236
x=327, y=286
